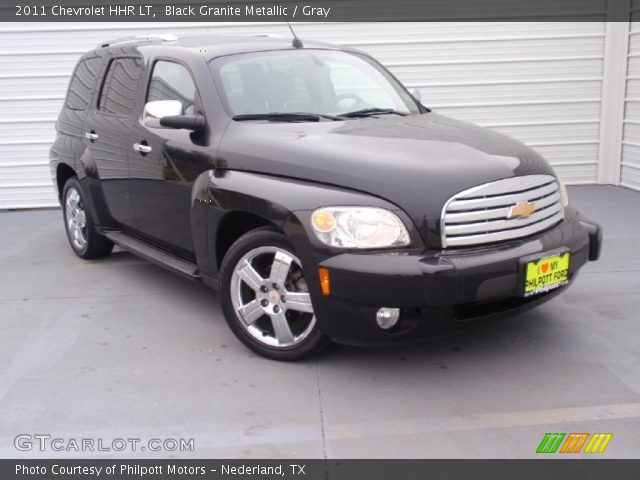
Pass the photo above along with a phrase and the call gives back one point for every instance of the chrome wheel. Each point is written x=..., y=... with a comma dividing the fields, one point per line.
x=75, y=219
x=270, y=297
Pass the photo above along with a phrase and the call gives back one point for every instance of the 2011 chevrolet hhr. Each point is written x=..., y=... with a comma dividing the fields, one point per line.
x=311, y=188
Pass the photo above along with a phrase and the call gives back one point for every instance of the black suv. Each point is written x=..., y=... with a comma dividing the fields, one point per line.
x=311, y=188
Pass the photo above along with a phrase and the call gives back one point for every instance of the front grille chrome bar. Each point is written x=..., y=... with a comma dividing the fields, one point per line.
x=483, y=214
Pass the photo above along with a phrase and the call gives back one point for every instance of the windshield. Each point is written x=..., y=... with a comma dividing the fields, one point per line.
x=321, y=82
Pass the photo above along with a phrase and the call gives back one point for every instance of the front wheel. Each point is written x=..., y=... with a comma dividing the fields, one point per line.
x=265, y=298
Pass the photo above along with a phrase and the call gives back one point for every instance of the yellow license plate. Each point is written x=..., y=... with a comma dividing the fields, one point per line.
x=546, y=274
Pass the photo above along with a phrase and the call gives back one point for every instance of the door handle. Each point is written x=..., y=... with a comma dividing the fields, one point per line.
x=91, y=135
x=138, y=147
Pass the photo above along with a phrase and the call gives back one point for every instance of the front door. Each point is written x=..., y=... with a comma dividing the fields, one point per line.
x=166, y=163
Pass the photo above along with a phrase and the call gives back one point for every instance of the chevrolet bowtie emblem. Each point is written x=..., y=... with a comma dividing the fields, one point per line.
x=522, y=210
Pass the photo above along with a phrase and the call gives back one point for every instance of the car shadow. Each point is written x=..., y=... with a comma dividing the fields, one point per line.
x=505, y=334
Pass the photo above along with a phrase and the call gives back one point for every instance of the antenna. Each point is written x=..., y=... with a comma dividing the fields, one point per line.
x=296, y=43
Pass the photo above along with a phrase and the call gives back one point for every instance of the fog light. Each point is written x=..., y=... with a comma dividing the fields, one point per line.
x=387, y=317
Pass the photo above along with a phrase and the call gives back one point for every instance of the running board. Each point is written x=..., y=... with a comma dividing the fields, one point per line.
x=154, y=254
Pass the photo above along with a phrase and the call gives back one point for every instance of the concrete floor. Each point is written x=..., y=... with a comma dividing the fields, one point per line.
x=122, y=348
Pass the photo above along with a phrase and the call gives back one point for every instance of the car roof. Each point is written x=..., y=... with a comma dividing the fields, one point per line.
x=212, y=46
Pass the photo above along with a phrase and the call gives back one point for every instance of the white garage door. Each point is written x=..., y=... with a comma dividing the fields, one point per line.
x=539, y=82
x=630, y=166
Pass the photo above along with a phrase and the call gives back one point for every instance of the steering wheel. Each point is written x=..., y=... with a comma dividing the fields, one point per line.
x=358, y=101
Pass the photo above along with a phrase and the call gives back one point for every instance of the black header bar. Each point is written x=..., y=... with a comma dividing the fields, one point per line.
x=297, y=469
x=316, y=10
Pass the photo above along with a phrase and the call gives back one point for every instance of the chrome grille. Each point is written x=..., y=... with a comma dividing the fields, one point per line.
x=484, y=214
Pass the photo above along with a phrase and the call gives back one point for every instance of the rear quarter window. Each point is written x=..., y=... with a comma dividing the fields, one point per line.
x=118, y=93
x=83, y=83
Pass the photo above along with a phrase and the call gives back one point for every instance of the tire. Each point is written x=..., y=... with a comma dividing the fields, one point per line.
x=269, y=310
x=85, y=241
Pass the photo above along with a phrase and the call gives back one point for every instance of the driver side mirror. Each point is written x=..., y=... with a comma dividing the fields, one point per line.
x=168, y=114
x=416, y=94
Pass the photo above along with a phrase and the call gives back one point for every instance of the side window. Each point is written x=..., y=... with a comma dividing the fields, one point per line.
x=119, y=88
x=172, y=81
x=83, y=83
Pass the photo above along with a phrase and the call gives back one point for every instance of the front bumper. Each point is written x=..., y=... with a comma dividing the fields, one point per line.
x=437, y=290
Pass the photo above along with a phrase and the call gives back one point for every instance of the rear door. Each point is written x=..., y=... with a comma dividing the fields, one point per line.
x=108, y=132
x=69, y=144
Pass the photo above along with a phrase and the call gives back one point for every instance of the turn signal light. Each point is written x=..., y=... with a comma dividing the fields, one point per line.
x=324, y=280
x=323, y=221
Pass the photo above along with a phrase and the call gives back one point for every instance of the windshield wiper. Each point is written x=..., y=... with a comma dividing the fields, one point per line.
x=286, y=117
x=367, y=112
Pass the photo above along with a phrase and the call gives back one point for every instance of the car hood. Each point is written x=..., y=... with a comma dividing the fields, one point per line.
x=416, y=162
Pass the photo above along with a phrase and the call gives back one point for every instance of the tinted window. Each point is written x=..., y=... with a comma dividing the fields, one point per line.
x=119, y=87
x=172, y=81
x=83, y=83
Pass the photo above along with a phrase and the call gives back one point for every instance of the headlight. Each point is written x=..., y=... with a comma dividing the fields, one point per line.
x=359, y=227
x=564, y=196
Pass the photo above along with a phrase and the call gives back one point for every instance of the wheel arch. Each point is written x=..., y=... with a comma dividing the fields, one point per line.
x=63, y=173
x=233, y=225
x=228, y=203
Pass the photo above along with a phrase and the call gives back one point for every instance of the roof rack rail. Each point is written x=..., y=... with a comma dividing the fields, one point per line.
x=266, y=35
x=163, y=37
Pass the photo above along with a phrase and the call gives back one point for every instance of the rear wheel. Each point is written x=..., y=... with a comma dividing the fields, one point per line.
x=265, y=297
x=85, y=241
